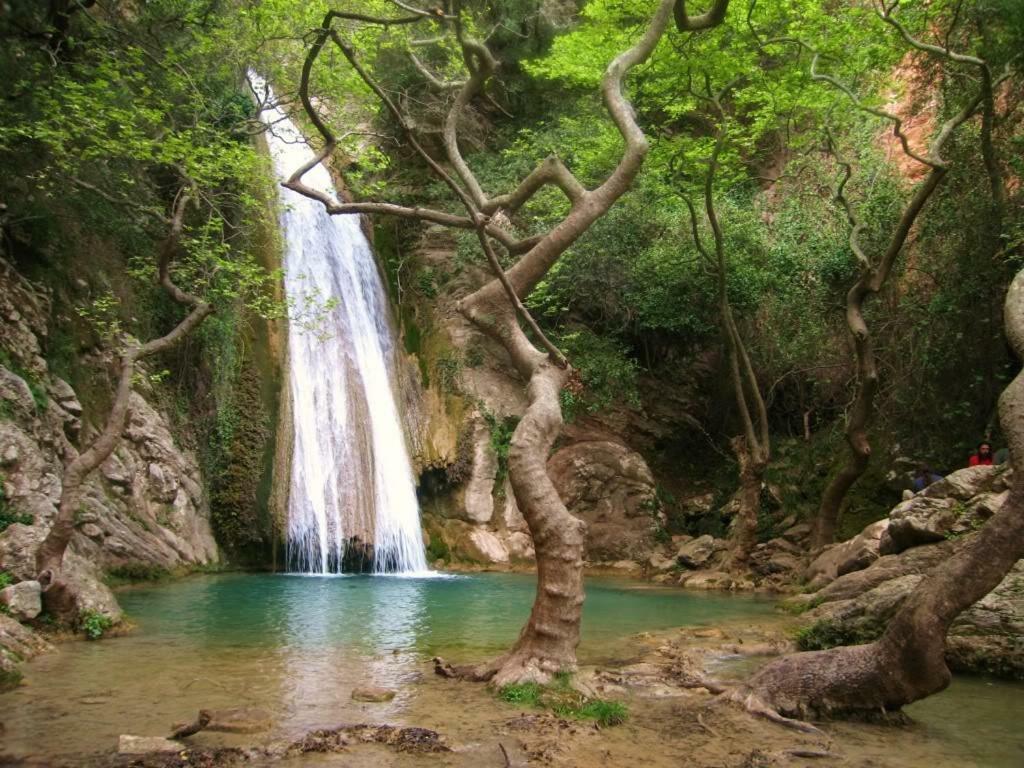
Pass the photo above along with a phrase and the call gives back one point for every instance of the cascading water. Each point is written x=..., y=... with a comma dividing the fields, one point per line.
x=352, y=485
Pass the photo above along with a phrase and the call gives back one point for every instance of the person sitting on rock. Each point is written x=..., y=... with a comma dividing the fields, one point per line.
x=923, y=477
x=983, y=456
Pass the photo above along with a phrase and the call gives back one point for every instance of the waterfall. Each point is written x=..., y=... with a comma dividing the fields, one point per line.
x=352, y=484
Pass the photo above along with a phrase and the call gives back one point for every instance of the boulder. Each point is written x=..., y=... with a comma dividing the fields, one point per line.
x=658, y=563
x=373, y=694
x=925, y=518
x=965, y=484
x=713, y=580
x=483, y=546
x=611, y=488
x=626, y=566
x=853, y=555
x=698, y=552
x=988, y=636
x=22, y=600
x=797, y=533
x=16, y=391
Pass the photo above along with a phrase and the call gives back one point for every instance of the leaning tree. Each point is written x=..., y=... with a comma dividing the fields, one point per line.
x=547, y=643
x=907, y=662
x=874, y=269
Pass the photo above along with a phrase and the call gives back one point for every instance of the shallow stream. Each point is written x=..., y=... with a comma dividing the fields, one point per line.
x=297, y=646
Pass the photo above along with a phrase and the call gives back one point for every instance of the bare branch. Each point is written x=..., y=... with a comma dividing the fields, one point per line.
x=711, y=18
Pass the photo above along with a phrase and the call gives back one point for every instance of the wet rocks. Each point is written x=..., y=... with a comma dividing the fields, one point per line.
x=697, y=552
x=18, y=643
x=486, y=547
x=374, y=694
x=927, y=518
x=146, y=745
x=23, y=600
x=853, y=555
x=715, y=580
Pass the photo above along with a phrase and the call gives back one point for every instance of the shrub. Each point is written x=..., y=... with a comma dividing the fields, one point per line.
x=825, y=634
x=94, y=624
x=133, y=572
x=438, y=549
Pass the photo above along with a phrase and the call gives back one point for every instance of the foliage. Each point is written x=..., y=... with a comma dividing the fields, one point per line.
x=5, y=579
x=607, y=373
x=94, y=624
x=448, y=367
x=501, y=430
x=565, y=701
x=37, y=389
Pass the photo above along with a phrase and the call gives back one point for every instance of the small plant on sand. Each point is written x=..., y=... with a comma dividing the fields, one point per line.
x=565, y=701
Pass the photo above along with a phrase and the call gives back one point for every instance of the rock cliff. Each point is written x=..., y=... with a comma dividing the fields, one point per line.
x=145, y=507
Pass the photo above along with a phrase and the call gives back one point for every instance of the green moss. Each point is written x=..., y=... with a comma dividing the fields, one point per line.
x=501, y=430
x=9, y=679
x=565, y=701
x=438, y=549
x=133, y=573
x=39, y=397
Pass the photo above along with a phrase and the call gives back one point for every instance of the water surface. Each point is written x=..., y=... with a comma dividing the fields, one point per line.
x=298, y=645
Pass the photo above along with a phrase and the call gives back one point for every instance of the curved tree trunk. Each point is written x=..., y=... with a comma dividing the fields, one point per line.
x=753, y=447
x=60, y=595
x=547, y=643
x=827, y=520
x=908, y=662
x=875, y=272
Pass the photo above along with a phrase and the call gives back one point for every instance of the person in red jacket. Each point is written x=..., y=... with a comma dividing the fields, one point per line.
x=983, y=456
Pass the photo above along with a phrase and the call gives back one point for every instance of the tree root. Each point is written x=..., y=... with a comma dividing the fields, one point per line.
x=200, y=723
x=481, y=673
x=756, y=706
x=514, y=667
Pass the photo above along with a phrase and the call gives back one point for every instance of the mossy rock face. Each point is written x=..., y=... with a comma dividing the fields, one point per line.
x=239, y=515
